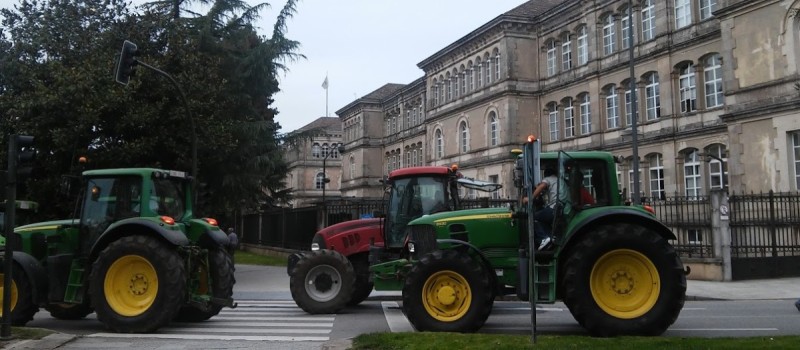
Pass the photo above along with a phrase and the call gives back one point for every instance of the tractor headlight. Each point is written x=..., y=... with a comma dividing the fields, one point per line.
x=411, y=247
x=314, y=246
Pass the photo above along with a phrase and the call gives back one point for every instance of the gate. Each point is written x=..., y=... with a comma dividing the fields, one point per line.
x=765, y=235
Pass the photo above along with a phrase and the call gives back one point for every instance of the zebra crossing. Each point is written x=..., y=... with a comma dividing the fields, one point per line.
x=258, y=320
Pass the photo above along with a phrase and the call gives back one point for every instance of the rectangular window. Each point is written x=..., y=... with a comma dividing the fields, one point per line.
x=691, y=175
x=436, y=95
x=463, y=84
x=470, y=80
x=653, y=99
x=657, y=179
x=566, y=55
x=694, y=236
x=706, y=8
x=554, y=125
x=449, y=90
x=497, y=67
x=569, y=120
x=626, y=38
x=478, y=74
x=683, y=13
x=795, y=139
x=488, y=70
x=631, y=182
x=648, y=21
x=629, y=106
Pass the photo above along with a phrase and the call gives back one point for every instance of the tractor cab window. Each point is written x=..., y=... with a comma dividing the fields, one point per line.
x=109, y=200
x=411, y=198
x=167, y=198
x=582, y=183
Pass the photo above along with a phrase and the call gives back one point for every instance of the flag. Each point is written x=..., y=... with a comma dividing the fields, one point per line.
x=325, y=83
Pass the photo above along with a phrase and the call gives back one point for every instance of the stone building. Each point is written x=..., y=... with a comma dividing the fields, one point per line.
x=313, y=159
x=714, y=94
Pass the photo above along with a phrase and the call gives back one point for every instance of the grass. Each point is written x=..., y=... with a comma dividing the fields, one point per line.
x=427, y=340
x=248, y=258
x=22, y=333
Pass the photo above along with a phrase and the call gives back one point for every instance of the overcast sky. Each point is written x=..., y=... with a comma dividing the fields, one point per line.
x=362, y=45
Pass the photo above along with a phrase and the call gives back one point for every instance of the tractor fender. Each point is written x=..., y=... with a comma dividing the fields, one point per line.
x=122, y=228
x=35, y=272
x=213, y=237
x=616, y=215
x=484, y=260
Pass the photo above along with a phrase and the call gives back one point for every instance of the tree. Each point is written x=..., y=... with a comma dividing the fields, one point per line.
x=58, y=81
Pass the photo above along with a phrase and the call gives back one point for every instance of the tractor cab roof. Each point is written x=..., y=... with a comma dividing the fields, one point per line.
x=421, y=171
x=143, y=172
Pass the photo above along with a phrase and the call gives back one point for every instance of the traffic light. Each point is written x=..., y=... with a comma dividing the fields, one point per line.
x=127, y=62
x=23, y=147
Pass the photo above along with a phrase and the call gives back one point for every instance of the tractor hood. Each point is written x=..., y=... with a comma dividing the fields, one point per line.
x=348, y=226
x=444, y=218
x=47, y=225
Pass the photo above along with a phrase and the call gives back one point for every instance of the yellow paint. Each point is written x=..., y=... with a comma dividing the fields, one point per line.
x=38, y=228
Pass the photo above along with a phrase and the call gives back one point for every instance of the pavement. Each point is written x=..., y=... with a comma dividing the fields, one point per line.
x=763, y=289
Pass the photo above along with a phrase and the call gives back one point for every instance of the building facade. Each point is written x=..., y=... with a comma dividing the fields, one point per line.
x=312, y=159
x=714, y=97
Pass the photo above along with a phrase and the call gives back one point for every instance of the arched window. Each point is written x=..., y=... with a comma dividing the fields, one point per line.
x=687, y=88
x=586, y=114
x=464, y=136
x=553, y=119
x=717, y=166
x=713, y=81
x=488, y=66
x=648, y=20
x=609, y=35
x=653, y=96
x=325, y=150
x=319, y=180
x=494, y=132
x=656, y=167
x=456, y=83
x=463, y=77
x=612, y=109
x=470, y=77
x=569, y=118
x=439, y=144
x=583, y=45
x=497, y=66
x=316, y=150
x=449, y=85
x=566, y=52
x=691, y=173
x=478, y=71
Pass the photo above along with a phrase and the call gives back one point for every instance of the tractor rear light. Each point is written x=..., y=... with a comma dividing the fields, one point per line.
x=211, y=221
x=167, y=220
x=649, y=209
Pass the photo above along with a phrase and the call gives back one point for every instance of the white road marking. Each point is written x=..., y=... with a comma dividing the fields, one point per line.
x=722, y=329
x=208, y=337
x=254, y=330
x=395, y=318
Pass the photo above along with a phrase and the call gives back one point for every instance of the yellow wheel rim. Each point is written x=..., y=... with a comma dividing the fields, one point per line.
x=446, y=296
x=14, y=294
x=131, y=285
x=625, y=283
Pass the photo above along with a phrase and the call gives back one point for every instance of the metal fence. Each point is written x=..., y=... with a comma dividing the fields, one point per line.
x=765, y=225
x=690, y=221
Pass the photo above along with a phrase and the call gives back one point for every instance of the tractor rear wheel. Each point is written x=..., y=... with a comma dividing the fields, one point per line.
x=22, y=306
x=363, y=286
x=624, y=280
x=63, y=311
x=137, y=284
x=447, y=291
x=220, y=286
x=322, y=281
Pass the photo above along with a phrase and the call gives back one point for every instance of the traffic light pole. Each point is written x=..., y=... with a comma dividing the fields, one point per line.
x=11, y=200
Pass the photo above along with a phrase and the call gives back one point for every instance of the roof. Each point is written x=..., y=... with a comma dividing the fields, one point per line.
x=324, y=123
x=375, y=97
x=533, y=8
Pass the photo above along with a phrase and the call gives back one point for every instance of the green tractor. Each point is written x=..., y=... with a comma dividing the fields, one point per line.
x=135, y=255
x=611, y=263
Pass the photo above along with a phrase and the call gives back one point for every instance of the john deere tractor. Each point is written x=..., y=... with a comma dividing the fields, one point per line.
x=611, y=264
x=135, y=254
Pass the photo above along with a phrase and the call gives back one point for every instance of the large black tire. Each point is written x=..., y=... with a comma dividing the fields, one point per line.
x=447, y=291
x=624, y=279
x=22, y=306
x=363, y=286
x=69, y=311
x=322, y=282
x=137, y=284
x=221, y=286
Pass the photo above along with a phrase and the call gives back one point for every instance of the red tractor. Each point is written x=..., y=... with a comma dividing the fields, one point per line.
x=335, y=273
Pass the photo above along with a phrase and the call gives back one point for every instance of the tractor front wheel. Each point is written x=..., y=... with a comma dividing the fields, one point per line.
x=21, y=304
x=322, y=282
x=220, y=285
x=624, y=280
x=137, y=284
x=447, y=291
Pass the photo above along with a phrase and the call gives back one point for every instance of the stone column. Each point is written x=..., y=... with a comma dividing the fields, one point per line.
x=720, y=230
